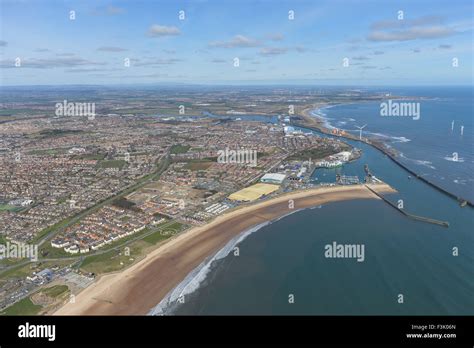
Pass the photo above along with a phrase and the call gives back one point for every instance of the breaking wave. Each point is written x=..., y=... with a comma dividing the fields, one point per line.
x=419, y=162
x=197, y=276
x=451, y=159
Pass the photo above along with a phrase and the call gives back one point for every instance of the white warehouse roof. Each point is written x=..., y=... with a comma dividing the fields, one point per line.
x=275, y=177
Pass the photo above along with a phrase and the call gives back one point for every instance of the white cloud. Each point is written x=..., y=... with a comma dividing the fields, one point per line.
x=111, y=49
x=429, y=27
x=236, y=41
x=272, y=51
x=422, y=21
x=159, y=61
x=48, y=63
x=157, y=30
x=411, y=34
x=360, y=58
x=275, y=37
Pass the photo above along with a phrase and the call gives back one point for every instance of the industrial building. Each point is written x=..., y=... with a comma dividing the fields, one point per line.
x=273, y=178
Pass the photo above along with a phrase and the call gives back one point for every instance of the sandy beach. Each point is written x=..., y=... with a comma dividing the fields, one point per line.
x=136, y=290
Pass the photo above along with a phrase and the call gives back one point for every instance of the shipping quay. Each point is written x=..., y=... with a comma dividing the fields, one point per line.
x=463, y=202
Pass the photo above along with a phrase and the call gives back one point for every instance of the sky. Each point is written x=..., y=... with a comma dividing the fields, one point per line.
x=380, y=42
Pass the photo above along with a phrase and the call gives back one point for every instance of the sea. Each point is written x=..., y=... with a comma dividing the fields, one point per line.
x=409, y=268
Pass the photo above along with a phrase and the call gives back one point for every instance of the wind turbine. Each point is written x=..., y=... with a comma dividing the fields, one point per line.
x=360, y=131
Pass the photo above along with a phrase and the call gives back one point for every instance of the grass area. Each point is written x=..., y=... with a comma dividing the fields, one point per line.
x=8, y=112
x=156, y=237
x=111, y=261
x=161, y=235
x=198, y=165
x=50, y=152
x=112, y=164
x=46, y=250
x=11, y=262
x=124, y=203
x=55, y=291
x=22, y=307
x=17, y=272
x=54, y=133
x=176, y=149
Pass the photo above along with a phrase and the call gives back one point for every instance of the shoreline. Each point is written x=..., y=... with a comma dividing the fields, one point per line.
x=141, y=287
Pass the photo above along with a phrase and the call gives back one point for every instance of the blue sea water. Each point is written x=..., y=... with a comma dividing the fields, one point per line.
x=402, y=256
x=426, y=145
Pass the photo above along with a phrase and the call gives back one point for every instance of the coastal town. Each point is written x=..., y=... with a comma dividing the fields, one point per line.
x=166, y=166
x=96, y=192
x=76, y=185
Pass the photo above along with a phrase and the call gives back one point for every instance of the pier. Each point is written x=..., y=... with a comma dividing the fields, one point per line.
x=411, y=216
x=462, y=202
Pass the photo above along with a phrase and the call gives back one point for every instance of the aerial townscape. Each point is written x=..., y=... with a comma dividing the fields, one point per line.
x=236, y=158
x=78, y=186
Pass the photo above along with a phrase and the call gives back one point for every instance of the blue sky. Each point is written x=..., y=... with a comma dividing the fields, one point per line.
x=92, y=49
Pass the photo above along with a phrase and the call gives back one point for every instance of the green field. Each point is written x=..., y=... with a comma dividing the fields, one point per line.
x=22, y=307
x=55, y=291
x=54, y=133
x=46, y=250
x=11, y=261
x=167, y=232
x=8, y=207
x=49, y=151
x=176, y=149
x=198, y=165
x=111, y=261
x=9, y=112
x=17, y=272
